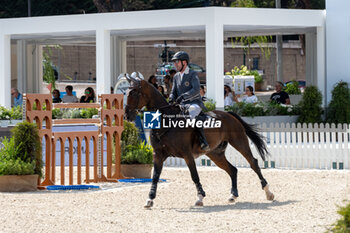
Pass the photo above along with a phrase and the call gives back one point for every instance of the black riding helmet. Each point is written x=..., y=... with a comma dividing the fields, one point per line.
x=181, y=55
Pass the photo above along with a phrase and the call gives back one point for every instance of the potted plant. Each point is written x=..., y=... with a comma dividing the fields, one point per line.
x=20, y=159
x=265, y=112
x=292, y=88
x=244, y=71
x=136, y=155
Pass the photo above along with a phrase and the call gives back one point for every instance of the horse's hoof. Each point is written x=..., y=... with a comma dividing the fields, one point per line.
x=199, y=203
x=232, y=199
x=149, y=204
x=269, y=195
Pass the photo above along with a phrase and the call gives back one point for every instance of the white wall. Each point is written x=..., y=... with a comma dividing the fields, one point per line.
x=337, y=43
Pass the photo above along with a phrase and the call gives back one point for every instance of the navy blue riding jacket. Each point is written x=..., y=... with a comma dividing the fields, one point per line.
x=188, y=88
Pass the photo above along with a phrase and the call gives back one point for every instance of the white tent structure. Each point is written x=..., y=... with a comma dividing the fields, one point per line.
x=110, y=31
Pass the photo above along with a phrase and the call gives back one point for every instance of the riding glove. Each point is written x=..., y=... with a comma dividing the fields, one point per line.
x=179, y=99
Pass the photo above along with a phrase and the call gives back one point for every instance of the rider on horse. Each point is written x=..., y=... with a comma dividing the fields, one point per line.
x=186, y=91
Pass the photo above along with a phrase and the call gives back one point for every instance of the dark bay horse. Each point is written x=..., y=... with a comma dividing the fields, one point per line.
x=184, y=143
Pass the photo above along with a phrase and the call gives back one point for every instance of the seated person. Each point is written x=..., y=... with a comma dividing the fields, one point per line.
x=69, y=97
x=56, y=96
x=280, y=97
x=17, y=97
x=250, y=97
x=89, y=96
x=168, y=84
x=202, y=93
x=153, y=80
x=161, y=90
x=228, y=101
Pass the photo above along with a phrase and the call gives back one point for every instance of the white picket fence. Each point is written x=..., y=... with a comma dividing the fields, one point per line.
x=294, y=146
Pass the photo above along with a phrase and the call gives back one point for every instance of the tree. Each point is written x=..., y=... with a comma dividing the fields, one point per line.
x=247, y=41
x=19, y=8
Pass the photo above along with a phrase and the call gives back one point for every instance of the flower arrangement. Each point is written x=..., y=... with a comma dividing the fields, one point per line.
x=14, y=113
x=244, y=71
x=263, y=109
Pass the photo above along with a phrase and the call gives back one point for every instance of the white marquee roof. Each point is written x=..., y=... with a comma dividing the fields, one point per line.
x=212, y=24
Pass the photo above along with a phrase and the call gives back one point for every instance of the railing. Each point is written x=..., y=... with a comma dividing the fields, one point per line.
x=110, y=108
x=294, y=146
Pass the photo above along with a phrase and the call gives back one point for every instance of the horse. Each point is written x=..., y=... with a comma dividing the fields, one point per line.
x=184, y=142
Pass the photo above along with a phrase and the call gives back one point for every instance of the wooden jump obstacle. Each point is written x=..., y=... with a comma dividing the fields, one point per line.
x=38, y=108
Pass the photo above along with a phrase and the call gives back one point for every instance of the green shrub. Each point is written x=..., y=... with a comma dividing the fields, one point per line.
x=88, y=112
x=28, y=145
x=76, y=113
x=210, y=105
x=133, y=150
x=16, y=113
x=292, y=88
x=57, y=113
x=10, y=164
x=343, y=224
x=262, y=109
x=339, y=108
x=310, y=106
x=139, y=154
x=73, y=113
x=130, y=134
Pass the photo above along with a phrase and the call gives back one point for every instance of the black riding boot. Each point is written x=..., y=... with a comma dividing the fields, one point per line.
x=200, y=131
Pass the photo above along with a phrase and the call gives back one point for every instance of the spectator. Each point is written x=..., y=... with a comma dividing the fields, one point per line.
x=168, y=84
x=161, y=90
x=172, y=74
x=17, y=97
x=202, y=93
x=89, y=96
x=280, y=97
x=250, y=96
x=228, y=101
x=56, y=96
x=69, y=97
x=152, y=79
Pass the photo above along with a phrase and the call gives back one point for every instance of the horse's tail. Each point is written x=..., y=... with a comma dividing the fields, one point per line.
x=252, y=133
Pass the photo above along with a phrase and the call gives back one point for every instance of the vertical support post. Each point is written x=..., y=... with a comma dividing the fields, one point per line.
x=96, y=153
x=311, y=58
x=53, y=162
x=5, y=70
x=70, y=160
x=279, y=58
x=21, y=66
x=79, y=160
x=279, y=51
x=321, y=64
x=62, y=142
x=214, y=36
x=87, y=160
x=103, y=61
x=118, y=62
x=109, y=155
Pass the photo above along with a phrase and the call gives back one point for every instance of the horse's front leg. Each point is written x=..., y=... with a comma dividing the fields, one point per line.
x=157, y=169
x=194, y=174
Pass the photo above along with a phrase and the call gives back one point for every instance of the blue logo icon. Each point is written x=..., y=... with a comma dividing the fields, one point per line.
x=151, y=120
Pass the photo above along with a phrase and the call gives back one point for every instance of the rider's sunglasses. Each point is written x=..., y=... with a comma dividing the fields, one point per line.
x=87, y=92
x=176, y=61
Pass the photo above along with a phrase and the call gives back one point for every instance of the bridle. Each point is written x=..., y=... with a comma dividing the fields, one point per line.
x=137, y=89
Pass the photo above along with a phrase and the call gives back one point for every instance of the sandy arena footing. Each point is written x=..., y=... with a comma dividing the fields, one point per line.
x=305, y=201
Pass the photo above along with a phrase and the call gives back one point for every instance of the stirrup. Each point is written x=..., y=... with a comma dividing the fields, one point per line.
x=204, y=146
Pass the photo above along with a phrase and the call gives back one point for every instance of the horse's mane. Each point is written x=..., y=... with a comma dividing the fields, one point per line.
x=161, y=102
